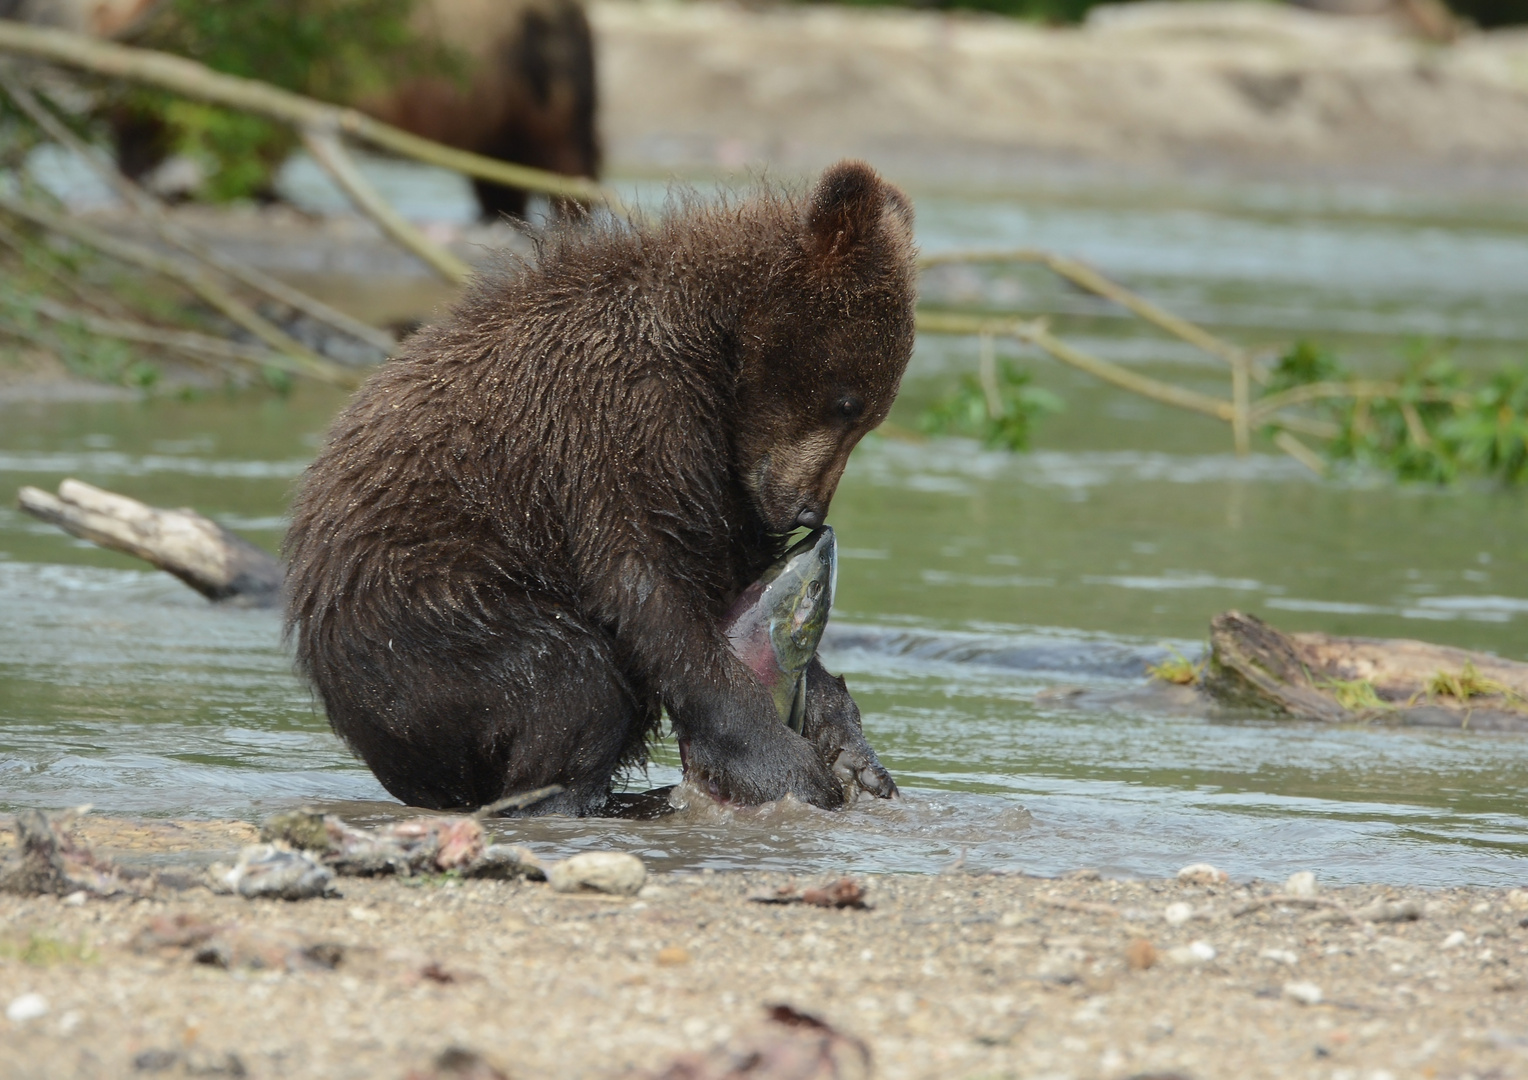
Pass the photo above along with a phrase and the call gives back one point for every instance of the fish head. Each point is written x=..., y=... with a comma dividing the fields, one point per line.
x=775, y=625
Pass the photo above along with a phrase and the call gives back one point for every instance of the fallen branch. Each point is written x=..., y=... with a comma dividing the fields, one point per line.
x=215, y=562
x=1086, y=277
x=330, y=154
x=152, y=211
x=303, y=359
x=203, y=346
x=193, y=80
x=1036, y=333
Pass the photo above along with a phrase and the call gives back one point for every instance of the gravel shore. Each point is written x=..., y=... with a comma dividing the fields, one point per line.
x=956, y=975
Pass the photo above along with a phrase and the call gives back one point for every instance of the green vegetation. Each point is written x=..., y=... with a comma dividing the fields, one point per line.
x=335, y=50
x=997, y=406
x=40, y=950
x=1469, y=683
x=1435, y=423
x=1177, y=669
x=1354, y=695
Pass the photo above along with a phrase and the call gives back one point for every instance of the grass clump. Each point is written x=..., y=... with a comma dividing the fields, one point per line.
x=1354, y=695
x=1468, y=683
x=41, y=950
x=1178, y=669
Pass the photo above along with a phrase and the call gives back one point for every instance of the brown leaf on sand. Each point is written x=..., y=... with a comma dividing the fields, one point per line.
x=792, y=1045
x=843, y=893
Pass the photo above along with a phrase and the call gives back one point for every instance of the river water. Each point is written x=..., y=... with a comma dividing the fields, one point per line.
x=971, y=583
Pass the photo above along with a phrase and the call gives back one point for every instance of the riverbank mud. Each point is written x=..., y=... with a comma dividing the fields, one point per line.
x=949, y=975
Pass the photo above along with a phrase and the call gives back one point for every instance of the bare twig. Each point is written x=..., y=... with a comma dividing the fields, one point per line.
x=205, y=346
x=193, y=80
x=152, y=211
x=1036, y=333
x=1086, y=277
x=1285, y=900
x=306, y=361
x=330, y=153
x=1300, y=452
x=1357, y=388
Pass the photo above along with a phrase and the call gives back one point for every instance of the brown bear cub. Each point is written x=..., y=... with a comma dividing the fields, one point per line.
x=515, y=549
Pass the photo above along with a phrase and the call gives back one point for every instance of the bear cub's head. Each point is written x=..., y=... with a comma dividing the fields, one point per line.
x=824, y=343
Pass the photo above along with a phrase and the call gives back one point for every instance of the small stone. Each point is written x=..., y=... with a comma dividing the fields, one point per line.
x=615, y=872
x=26, y=1007
x=1140, y=954
x=1192, y=954
x=76, y=898
x=1304, y=992
x=1202, y=873
x=673, y=956
x=1178, y=913
x=1387, y=911
x=1279, y=956
x=1517, y=899
x=1301, y=884
x=1454, y=940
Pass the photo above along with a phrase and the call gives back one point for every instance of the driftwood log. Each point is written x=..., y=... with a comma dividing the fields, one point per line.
x=1251, y=665
x=219, y=564
x=1367, y=680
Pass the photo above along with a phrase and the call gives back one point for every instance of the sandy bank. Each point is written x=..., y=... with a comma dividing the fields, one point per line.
x=1143, y=93
x=949, y=976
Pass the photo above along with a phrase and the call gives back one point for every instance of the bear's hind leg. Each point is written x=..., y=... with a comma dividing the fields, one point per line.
x=548, y=706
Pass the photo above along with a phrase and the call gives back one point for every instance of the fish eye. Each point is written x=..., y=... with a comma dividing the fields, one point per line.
x=849, y=407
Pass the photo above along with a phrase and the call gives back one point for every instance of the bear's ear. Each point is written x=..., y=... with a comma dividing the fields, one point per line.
x=846, y=208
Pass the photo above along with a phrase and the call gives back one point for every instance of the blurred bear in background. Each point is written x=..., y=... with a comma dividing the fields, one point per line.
x=525, y=94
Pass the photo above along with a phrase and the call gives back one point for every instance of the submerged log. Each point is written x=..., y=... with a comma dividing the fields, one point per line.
x=219, y=564
x=1346, y=679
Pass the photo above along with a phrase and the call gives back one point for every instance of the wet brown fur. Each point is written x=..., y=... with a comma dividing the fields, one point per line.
x=517, y=544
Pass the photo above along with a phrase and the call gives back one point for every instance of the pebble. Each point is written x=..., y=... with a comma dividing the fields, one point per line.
x=26, y=1007
x=1178, y=913
x=615, y=872
x=1304, y=992
x=1301, y=884
x=1202, y=873
x=673, y=956
x=1454, y=940
x=1384, y=911
x=1279, y=956
x=1140, y=954
x=1517, y=899
x=1195, y=952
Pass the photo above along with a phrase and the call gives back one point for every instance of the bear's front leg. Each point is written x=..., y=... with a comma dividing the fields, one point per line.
x=833, y=726
x=729, y=731
x=733, y=744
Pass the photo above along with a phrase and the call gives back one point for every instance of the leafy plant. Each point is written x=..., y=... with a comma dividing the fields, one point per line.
x=998, y=407
x=1432, y=424
x=1305, y=363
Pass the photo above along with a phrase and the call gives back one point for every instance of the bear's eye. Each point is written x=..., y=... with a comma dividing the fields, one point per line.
x=849, y=407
